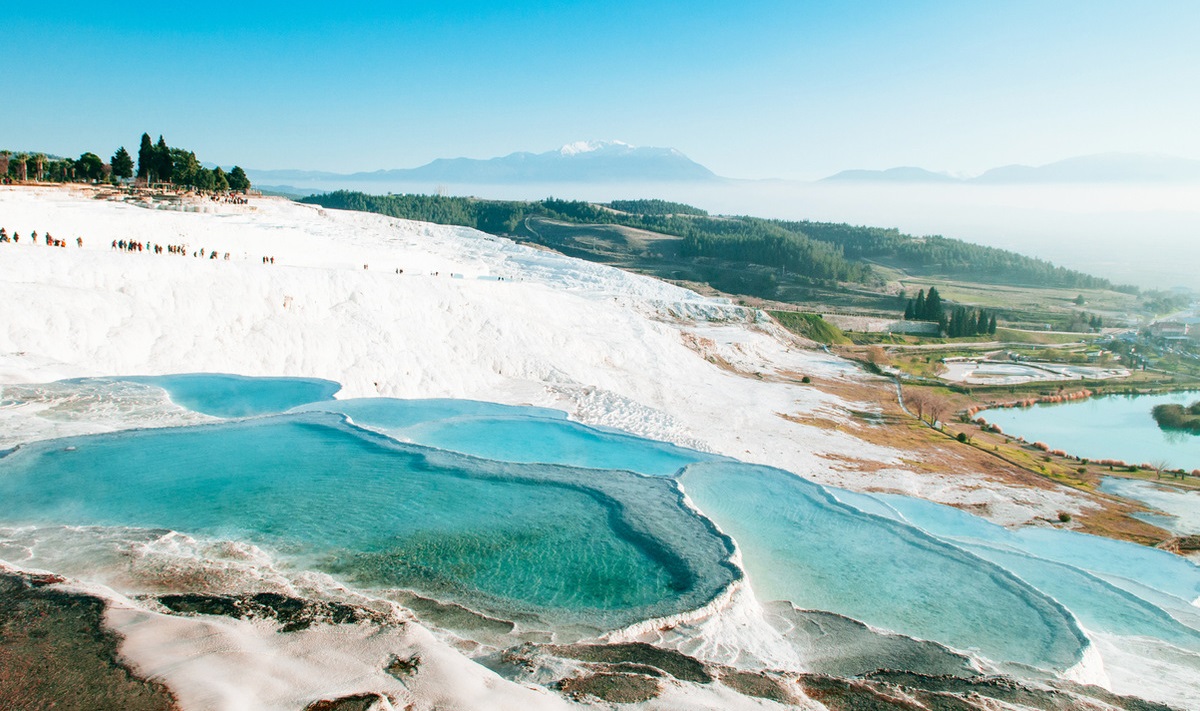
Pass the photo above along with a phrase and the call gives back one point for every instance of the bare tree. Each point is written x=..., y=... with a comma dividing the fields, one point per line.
x=877, y=355
x=937, y=409
x=1160, y=465
x=916, y=401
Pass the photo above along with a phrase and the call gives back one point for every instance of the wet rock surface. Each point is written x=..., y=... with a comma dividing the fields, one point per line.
x=56, y=653
x=354, y=702
x=614, y=688
x=292, y=613
x=652, y=660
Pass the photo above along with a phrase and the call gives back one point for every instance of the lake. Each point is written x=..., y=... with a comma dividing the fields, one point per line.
x=1105, y=427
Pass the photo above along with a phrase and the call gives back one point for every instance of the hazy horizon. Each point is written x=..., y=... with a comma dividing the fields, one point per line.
x=1130, y=234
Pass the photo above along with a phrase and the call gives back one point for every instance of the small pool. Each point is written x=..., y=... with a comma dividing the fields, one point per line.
x=222, y=395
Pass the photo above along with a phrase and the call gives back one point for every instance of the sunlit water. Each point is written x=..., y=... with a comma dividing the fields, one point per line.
x=800, y=544
x=379, y=514
x=513, y=434
x=520, y=513
x=222, y=395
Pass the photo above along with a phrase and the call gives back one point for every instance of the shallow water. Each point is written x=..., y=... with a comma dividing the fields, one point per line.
x=800, y=544
x=1150, y=567
x=1106, y=427
x=222, y=395
x=501, y=537
x=519, y=513
x=1182, y=508
x=513, y=434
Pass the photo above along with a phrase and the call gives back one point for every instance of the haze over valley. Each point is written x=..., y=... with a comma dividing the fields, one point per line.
x=1133, y=222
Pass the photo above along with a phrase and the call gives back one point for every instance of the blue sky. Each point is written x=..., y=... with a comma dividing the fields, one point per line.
x=750, y=89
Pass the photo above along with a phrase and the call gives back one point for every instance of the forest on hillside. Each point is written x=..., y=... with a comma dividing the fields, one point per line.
x=733, y=239
x=815, y=250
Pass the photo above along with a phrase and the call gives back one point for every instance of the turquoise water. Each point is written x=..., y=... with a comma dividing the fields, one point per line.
x=800, y=544
x=500, y=537
x=513, y=434
x=1106, y=427
x=223, y=395
x=1088, y=575
x=517, y=511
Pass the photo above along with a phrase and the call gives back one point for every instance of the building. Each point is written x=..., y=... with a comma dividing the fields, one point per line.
x=1168, y=329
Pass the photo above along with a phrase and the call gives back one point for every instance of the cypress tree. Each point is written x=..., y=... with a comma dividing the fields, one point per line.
x=908, y=310
x=992, y=326
x=933, y=305
x=162, y=161
x=919, y=308
x=145, y=157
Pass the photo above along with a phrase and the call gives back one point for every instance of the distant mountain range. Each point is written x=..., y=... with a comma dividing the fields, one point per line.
x=617, y=162
x=1100, y=168
x=580, y=162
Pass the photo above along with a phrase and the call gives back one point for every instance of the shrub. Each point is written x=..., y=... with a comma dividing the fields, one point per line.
x=1064, y=517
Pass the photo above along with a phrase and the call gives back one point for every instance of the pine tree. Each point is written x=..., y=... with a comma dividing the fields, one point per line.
x=122, y=163
x=237, y=179
x=145, y=157
x=221, y=183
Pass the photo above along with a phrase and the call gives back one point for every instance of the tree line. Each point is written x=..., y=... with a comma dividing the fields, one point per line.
x=156, y=163
x=960, y=322
x=656, y=207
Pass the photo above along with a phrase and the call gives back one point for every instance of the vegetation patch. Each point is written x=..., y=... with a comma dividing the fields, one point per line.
x=1178, y=417
x=810, y=326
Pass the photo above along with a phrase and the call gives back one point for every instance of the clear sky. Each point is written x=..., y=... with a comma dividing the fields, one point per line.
x=750, y=89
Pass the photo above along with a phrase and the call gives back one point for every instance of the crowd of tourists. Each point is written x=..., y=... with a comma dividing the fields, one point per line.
x=50, y=240
x=180, y=249
x=230, y=199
